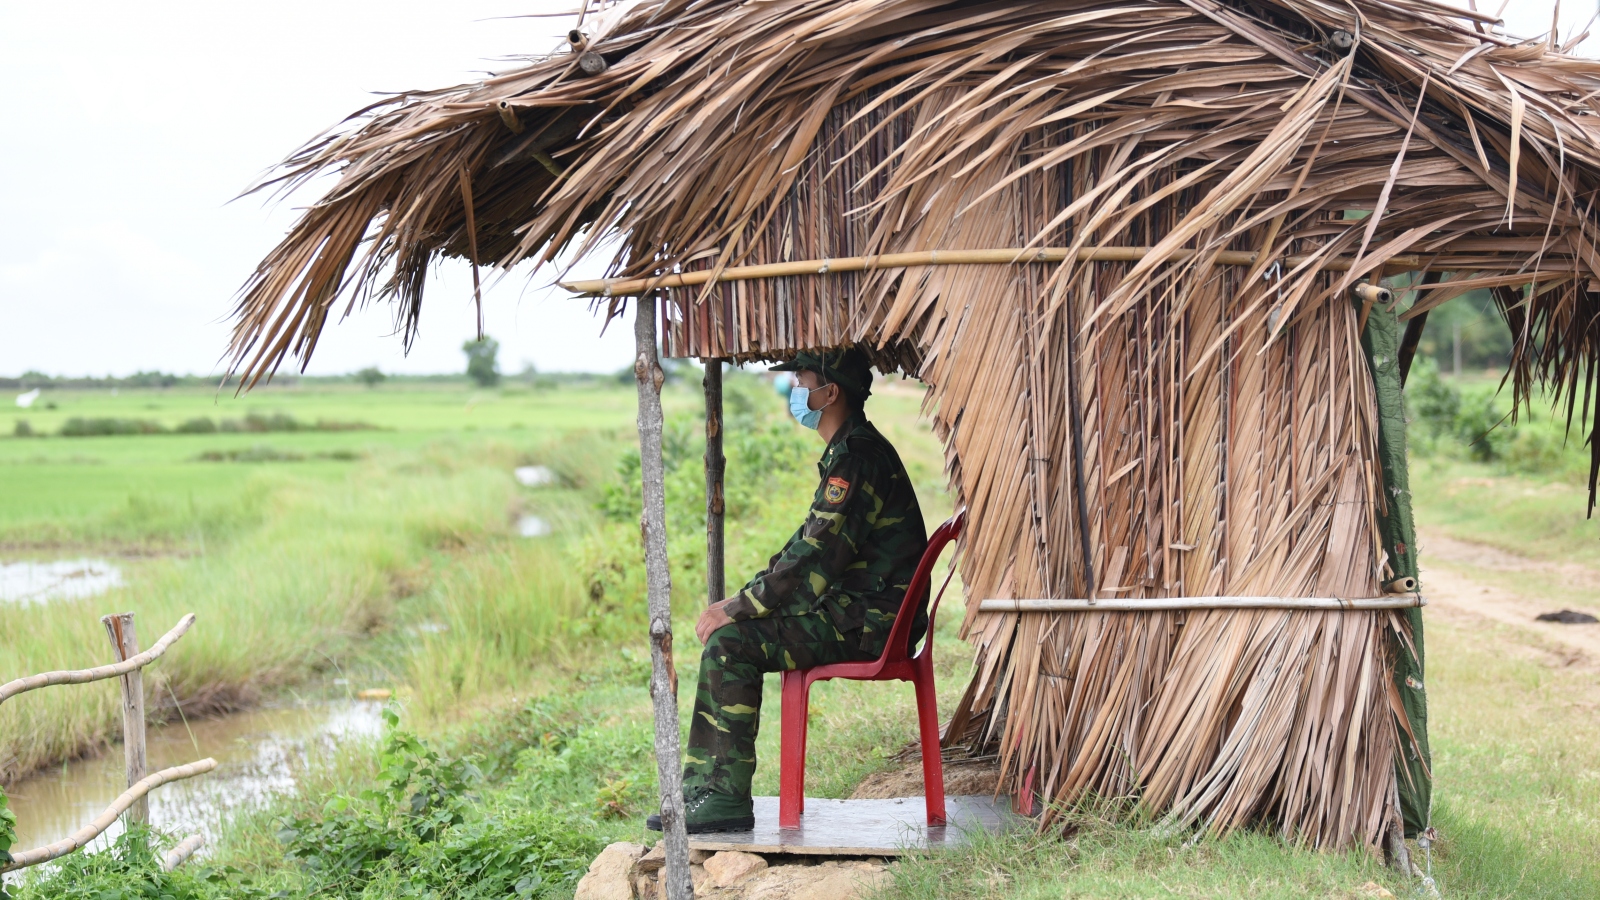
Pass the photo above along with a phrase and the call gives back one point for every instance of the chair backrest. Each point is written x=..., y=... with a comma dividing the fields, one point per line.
x=916, y=598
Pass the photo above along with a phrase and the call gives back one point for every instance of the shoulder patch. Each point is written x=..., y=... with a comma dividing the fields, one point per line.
x=836, y=489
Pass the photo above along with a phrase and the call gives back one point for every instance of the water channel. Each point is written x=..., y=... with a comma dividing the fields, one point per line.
x=259, y=754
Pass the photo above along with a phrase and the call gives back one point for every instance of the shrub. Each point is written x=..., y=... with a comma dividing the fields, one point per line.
x=482, y=364
x=258, y=453
x=370, y=376
x=80, y=427
x=421, y=832
x=22, y=429
x=766, y=491
x=130, y=869
x=8, y=829
x=1479, y=426
x=263, y=423
x=1432, y=403
x=200, y=425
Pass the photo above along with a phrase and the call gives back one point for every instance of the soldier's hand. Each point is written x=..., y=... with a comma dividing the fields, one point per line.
x=713, y=618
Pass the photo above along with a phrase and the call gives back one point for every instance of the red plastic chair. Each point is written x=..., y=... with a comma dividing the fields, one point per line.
x=894, y=665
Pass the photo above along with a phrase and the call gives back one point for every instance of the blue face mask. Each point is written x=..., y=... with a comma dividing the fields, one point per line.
x=799, y=407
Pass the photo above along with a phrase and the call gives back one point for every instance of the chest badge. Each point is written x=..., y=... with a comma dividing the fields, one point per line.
x=835, y=490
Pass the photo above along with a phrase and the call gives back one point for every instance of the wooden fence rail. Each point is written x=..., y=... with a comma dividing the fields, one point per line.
x=130, y=663
x=185, y=849
x=98, y=673
x=89, y=832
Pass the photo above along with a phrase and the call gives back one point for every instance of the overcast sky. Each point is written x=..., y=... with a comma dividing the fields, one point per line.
x=129, y=128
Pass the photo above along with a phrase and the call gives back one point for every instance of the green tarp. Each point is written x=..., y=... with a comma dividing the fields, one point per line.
x=1381, y=341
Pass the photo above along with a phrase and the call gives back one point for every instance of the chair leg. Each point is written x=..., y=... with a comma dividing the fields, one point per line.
x=932, y=764
x=1023, y=804
x=792, y=751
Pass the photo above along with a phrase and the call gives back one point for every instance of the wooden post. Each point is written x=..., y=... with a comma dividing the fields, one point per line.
x=653, y=528
x=125, y=644
x=716, y=465
x=1399, y=858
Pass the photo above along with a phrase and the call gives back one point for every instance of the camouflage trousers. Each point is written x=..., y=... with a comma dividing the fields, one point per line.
x=721, y=753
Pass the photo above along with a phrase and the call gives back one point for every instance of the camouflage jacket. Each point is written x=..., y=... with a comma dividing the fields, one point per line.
x=855, y=555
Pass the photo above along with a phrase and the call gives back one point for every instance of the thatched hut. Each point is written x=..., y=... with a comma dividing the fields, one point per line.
x=1117, y=239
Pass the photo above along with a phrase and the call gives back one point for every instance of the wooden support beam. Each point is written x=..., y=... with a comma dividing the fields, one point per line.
x=716, y=466
x=653, y=528
x=1414, y=326
x=608, y=287
x=125, y=646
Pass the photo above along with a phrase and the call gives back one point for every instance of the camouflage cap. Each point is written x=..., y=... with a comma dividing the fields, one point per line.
x=847, y=367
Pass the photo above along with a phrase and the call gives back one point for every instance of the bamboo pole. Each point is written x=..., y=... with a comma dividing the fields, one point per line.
x=87, y=833
x=82, y=676
x=663, y=677
x=178, y=855
x=125, y=645
x=1152, y=604
x=608, y=287
x=716, y=465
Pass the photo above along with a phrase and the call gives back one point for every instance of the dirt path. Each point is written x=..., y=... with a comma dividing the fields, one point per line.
x=1458, y=578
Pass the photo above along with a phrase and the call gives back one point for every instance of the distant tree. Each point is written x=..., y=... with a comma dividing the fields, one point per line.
x=370, y=376
x=482, y=365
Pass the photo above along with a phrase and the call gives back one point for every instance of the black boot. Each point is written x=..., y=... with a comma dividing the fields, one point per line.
x=709, y=812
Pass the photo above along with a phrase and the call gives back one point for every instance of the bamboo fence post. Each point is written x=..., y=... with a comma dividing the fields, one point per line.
x=125, y=644
x=716, y=465
x=663, y=677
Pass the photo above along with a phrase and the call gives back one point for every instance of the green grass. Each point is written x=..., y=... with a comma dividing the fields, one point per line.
x=292, y=568
x=1516, y=748
x=1542, y=518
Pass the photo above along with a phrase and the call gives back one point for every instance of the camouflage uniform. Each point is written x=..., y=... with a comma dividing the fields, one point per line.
x=830, y=595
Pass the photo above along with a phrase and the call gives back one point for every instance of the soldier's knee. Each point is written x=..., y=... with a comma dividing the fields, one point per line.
x=723, y=638
x=732, y=641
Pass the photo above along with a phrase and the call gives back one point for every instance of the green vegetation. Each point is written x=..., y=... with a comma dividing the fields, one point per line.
x=522, y=743
x=255, y=423
x=483, y=366
x=8, y=829
x=1470, y=328
x=292, y=570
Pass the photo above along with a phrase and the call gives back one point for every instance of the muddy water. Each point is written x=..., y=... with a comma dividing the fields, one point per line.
x=258, y=755
x=63, y=579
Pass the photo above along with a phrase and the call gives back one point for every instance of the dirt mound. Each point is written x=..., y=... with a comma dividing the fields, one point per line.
x=962, y=778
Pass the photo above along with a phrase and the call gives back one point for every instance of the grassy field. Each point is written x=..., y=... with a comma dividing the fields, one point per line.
x=290, y=566
x=537, y=676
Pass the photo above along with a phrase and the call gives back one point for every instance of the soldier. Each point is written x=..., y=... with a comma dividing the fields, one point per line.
x=830, y=595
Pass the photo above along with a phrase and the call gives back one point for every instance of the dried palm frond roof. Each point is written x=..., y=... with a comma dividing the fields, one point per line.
x=705, y=111
x=1462, y=142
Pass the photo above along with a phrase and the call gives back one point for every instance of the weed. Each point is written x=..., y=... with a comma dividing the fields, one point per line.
x=8, y=831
